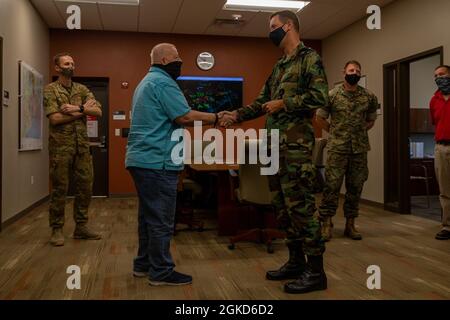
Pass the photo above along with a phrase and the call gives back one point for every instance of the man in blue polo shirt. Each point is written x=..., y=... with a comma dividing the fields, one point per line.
x=159, y=108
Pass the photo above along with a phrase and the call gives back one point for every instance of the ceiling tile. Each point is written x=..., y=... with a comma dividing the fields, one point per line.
x=229, y=29
x=313, y=15
x=49, y=13
x=257, y=27
x=119, y=17
x=196, y=16
x=90, y=18
x=353, y=11
x=158, y=16
x=318, y=20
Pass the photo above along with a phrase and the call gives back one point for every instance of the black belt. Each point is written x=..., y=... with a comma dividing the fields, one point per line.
x=444, y=142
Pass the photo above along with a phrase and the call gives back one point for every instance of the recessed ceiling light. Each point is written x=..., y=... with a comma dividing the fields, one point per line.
x=265, y=5
x=236, y=16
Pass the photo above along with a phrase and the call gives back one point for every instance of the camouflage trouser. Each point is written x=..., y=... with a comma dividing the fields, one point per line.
x=63, y=168
x=294, y=200
x=354, y=168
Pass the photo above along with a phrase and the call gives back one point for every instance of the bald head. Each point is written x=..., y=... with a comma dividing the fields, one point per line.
x=164, y=53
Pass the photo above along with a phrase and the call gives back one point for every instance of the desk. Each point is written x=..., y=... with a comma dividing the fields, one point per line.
x=227, y=210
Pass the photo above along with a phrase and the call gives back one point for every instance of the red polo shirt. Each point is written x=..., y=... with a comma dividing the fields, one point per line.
x=440, y=115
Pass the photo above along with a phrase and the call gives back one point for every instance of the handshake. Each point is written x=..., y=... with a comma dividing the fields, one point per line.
x=227, y=118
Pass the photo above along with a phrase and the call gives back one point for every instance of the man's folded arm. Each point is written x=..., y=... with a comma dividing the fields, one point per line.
x=94, y=109
x=52, y=110
x=58, y=118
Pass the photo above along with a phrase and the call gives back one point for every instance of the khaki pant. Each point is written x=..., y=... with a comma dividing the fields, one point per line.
x=442, y=167
x=354, y=168
x=63, y=167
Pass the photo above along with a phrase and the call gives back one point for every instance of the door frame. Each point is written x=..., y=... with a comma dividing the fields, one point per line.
x=1, y=131
x=399, y=117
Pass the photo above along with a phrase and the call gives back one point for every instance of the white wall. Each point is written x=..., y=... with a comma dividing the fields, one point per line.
x=408, y=27
x=25, y=37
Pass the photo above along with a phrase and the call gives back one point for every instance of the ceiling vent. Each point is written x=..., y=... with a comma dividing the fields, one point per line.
x=228, y=22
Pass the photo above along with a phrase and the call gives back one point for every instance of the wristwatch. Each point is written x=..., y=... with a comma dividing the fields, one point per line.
x=81, y=108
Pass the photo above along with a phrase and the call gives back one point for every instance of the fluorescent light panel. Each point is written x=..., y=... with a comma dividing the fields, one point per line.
x=265, y=5
x=121, y=2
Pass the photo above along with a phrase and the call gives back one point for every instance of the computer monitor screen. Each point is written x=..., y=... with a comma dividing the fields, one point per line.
x=212, y=94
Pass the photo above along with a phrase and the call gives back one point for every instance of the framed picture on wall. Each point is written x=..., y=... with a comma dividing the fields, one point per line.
x=31, y=111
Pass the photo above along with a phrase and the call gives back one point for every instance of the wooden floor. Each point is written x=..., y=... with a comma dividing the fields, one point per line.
x=419, y=207
x=413, y=264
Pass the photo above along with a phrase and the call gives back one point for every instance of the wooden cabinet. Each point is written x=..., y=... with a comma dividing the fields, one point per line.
x=420, y=121
x=417, y=169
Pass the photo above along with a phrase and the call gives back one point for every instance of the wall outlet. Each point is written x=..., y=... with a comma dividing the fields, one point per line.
x=117, y=133
x=32, y=179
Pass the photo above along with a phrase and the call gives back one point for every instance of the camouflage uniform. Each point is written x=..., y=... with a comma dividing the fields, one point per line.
x=69, y=154
x=347, y=147
x=301, y=82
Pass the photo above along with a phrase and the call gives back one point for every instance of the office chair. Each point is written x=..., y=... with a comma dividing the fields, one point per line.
x=254, y=191
x=425, y=178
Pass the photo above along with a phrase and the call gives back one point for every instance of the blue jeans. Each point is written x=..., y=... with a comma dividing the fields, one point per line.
x=157, y=191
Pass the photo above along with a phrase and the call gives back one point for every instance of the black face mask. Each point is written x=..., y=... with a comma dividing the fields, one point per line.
x=352, y=79
x=172, y=68
x=277, y=35
x=67, y=72
x=443, y=84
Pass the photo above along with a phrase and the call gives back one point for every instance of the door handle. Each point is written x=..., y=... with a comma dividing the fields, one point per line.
x=95, y=144
x=103, y=142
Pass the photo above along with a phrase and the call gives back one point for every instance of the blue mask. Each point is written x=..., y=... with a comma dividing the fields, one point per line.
x=443, y=84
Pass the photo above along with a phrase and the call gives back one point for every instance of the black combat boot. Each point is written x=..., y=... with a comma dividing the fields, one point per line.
x=295, y=265
x=312, y=279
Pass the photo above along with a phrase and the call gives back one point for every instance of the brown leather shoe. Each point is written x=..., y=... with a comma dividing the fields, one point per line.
x=57, y=238
x=350, y=230
x=83, y=232
x=327, y=228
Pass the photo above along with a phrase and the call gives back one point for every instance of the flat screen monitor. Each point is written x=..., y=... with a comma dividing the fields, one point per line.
x=212, y=94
